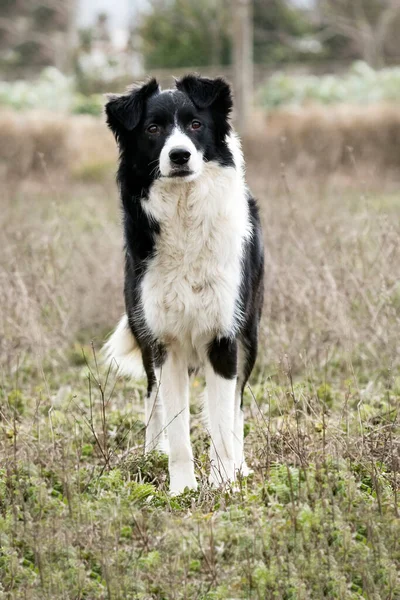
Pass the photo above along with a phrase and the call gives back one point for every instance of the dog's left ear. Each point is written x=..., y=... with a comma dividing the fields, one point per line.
x=207, y=93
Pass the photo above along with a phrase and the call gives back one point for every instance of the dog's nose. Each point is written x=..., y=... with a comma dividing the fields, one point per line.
x=179, y=156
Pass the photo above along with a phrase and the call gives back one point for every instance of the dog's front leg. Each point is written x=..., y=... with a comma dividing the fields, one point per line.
x=175, y=393
x=221, y=385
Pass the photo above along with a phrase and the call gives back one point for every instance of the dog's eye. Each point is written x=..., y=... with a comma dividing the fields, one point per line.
x=153, y=128
x=196, y=124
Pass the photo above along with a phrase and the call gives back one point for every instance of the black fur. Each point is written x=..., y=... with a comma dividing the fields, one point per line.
x=252, y=295
x=222, y=353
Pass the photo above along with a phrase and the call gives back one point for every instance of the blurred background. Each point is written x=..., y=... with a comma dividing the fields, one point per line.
x=63, y=56
x=68, y=53
x=317, y=91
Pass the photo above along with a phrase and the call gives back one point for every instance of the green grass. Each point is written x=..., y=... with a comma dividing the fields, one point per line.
x=84, y=514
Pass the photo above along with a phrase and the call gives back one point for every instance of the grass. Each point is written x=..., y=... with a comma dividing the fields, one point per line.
x=85, y=515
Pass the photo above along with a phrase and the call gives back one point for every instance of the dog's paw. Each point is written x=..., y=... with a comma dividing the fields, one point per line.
x=181, y=476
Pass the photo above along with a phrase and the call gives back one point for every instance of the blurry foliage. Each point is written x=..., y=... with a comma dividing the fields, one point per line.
x=51, y=91
x=365, y=29
x=172, y=33
x=184, y=33
x=98, y=64
x=360, y=85
x=34, y=35
x=87, y=105
x=279, y=28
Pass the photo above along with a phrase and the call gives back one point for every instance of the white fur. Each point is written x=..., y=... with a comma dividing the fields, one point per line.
x=238, y=430
x=238, y=433
x=156, y=434
x=123, y=352
x=234, y=145
x=221, y=405
x=175, y=390
x=178, y=139
x=238, y=436
x=190, y=288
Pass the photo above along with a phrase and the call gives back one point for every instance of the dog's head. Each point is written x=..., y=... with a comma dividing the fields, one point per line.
x=173, y=133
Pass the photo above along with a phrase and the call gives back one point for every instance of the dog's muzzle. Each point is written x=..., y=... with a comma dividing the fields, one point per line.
x=180, y=157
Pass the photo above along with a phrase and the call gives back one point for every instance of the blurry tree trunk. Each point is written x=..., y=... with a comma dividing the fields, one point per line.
x=215, y=42
x=243, y=61
x=71, y=34
x=66, y=40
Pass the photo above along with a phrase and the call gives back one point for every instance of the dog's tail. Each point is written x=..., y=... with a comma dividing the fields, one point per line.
x=123, y=352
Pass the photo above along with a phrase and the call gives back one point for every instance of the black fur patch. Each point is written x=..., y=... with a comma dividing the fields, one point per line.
x=223, y=357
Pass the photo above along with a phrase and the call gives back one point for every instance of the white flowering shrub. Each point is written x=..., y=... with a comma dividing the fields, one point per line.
x=52, y=91
x=360, y=85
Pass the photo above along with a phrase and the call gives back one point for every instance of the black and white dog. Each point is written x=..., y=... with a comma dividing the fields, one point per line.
x=193, y=266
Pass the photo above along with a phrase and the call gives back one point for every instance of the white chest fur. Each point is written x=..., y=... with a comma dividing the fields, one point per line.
x=191, y=286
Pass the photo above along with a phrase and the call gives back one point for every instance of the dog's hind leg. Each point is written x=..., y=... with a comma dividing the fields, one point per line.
x=247, y=353
x=156, y=436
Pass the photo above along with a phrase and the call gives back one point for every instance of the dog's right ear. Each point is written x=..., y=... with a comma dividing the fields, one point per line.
x=125, y=111
x=205, y=93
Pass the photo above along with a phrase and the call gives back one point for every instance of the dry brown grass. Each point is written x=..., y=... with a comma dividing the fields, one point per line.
x=60, y=265
x=34, y=141
x=332, y=245
x=309, y=140
x=332, y=270
x=323, y=140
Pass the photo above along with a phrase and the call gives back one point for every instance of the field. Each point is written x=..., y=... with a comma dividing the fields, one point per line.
x=83, y=513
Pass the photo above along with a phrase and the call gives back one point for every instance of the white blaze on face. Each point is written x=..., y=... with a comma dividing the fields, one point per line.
x=178, y=139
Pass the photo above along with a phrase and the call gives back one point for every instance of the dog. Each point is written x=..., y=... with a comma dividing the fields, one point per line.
x=194, y=266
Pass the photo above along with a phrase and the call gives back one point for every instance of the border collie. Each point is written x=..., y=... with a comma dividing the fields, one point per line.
x=193, y=266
